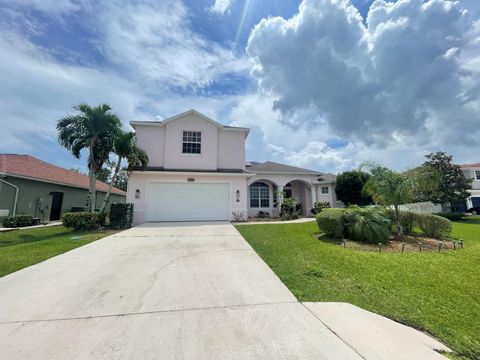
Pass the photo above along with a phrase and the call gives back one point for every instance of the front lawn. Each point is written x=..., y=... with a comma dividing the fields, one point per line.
x=22, y=248
x=435, y=292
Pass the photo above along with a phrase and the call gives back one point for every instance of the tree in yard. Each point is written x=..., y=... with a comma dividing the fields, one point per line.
x=453, y=186
x=92, y=128
x=425, y=183
x=349, y=188
x=125, y=148
x=121, y=182
x=104, y=174
x=389, y=188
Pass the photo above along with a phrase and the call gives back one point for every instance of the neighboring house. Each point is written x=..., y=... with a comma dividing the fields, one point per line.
x=31, y=186
x=472, y=171
x=197, y=171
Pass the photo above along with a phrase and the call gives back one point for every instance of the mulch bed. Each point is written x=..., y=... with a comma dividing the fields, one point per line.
x=410, y=243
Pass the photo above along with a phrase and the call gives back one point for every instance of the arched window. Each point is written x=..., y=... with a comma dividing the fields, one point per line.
x=259, y=195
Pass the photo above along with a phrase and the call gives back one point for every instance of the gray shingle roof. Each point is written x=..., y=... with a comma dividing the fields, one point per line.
x=327, y=177
x=274, y=167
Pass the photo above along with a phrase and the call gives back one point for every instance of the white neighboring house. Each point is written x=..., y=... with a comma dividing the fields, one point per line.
x=197, y=171
x=472, y=171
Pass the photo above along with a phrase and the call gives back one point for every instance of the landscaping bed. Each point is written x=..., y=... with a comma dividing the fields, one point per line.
x=407, y=243
x=435, y=292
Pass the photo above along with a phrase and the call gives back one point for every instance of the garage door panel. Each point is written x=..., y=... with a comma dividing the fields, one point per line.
x=188, y=201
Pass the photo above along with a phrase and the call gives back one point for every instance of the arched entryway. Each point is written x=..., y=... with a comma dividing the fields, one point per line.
x=302, y=191
x=262, y=198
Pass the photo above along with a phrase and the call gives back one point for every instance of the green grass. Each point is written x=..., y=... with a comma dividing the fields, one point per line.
x=435, y=292
x=22, y=248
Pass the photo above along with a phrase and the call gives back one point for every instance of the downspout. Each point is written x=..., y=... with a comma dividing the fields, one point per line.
x=3, y=175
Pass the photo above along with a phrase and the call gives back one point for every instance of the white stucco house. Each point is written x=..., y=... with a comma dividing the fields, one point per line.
x=197, y=171
x=472, y=171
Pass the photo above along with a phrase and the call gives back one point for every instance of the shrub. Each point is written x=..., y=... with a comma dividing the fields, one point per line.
x=452, y=216
x=263, y=215
x=369, y=225
x=289, y=209
x=407, y=220
x=81, y=220
x=433, y=226
x=319, y=206
x=15, y=221
x=121, y=216
x=330, y=222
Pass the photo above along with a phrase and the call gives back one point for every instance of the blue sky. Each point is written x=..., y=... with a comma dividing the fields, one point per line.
x=323, y=84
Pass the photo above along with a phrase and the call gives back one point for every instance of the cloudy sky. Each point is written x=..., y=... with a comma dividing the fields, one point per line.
x=323, y=84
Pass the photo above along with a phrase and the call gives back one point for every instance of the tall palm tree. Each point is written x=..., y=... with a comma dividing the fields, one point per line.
x=125, y=147
x=93, y=128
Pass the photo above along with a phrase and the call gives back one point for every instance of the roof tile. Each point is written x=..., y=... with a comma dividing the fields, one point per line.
x=31, y=167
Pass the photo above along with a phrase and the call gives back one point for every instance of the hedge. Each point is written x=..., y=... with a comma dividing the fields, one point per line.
x=16, y=221
x=121, y=216
x=452, y=216
x=82, y=220
x=330, y=222
x=433, y=226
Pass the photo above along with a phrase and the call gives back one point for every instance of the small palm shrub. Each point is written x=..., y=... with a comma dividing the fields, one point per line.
x=319, y=206
x=330, y=222
x=369, y=225
x=433, y=226
x=289, y=209
x=407, y=220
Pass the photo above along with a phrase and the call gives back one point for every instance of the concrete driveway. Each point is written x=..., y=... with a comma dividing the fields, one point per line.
x=171, y=291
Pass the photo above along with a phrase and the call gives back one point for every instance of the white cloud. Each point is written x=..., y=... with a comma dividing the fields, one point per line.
x=406, y=75
x=37, y=90
x=153, y=41
x=221, y=6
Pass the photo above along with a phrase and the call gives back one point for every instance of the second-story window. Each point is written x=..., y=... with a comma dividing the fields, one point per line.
x=192, y=142
x=477, y=174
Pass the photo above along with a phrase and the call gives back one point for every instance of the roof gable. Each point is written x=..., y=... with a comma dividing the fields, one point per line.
x=184, y=115
x=26, y=166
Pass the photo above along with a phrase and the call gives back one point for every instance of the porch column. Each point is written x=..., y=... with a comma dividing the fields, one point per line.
x=313, y=190
x=469, y=203
x=279, y=196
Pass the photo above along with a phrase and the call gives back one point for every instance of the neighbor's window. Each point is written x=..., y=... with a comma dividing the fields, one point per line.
x=259, y=195
x=324, y=189
x=477, y=174
x=192, y=142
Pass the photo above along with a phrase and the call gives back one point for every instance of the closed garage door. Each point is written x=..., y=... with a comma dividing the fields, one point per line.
x=188, y=202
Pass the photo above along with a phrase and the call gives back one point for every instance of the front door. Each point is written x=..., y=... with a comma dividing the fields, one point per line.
x=55, y=212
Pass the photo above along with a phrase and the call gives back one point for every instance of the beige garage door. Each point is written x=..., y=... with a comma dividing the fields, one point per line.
x=188, y=201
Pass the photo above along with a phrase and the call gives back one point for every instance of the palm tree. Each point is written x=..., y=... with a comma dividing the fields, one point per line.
x=125, y=147
x=389, y=188
x=92, y=128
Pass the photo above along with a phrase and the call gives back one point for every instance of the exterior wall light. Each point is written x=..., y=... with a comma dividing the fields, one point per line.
x=238, y=195
x=137, y=194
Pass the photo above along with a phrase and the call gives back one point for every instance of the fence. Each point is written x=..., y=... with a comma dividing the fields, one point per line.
x=422, y=207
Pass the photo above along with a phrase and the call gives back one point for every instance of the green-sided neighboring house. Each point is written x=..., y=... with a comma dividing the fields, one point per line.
x=31, y=186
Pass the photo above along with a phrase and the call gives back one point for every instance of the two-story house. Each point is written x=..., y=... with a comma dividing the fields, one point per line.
x=472, y=171
x=197, y=171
